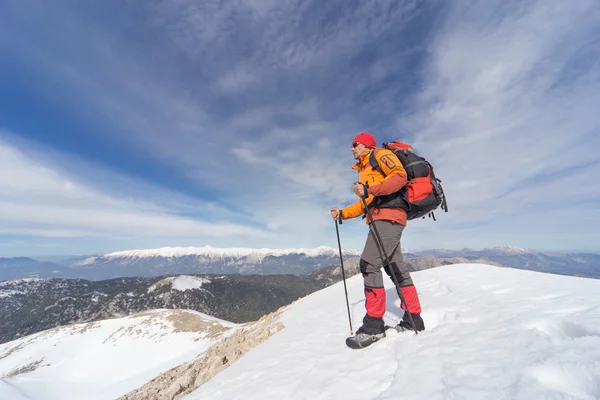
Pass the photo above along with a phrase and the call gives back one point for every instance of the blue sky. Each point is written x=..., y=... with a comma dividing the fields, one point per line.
x=127, y=125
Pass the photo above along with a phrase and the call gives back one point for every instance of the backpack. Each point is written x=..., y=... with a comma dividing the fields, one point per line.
x=423, y=192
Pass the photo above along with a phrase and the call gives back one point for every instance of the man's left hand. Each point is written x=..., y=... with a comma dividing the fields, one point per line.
x=359, y=189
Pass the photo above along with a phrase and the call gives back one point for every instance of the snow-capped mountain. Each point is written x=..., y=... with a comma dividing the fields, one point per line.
x=493, y=333
x=333, y=274
x=215, y=253
x=105, y=359
x=511, y=250
x=575, y=264
x=193, y=260
x=31, y=305
x=207, y=259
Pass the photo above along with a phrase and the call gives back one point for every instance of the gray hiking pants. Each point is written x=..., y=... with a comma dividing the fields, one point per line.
x=370, y=266
x=371, y=262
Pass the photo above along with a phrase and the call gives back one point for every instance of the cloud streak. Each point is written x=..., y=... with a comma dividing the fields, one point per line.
x=508, y=116
x=39, y=200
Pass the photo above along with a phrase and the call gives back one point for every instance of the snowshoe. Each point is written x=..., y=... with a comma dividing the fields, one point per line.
x=361, y=340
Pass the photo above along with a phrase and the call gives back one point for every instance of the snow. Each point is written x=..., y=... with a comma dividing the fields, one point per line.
x=181, y=283
x=513, y=250
x=105, y=359
x=85, y=261
x=184, y=282
x=492, y=333
x=20, y=281
x=213, y=252
x=8, y=293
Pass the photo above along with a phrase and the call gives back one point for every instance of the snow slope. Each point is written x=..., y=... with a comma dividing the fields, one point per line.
x=492, y=333
x=181, y=283
x=105, y=359
x=184, y=282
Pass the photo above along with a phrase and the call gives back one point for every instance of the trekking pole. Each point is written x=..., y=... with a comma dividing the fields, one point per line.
x=383, y=256
x=337, y=230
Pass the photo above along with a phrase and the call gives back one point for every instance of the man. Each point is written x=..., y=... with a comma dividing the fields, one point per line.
x=390, y=222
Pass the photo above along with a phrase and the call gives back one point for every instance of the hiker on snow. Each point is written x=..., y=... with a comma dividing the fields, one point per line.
x=390, y=223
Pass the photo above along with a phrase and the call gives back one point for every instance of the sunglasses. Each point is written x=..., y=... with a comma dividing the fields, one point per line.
x=355, y=144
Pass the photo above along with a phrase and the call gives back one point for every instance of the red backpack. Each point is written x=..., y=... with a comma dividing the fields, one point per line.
x=423, y=192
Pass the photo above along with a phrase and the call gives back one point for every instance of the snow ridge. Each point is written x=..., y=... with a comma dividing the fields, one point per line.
x=512, y=250
x=235, y=252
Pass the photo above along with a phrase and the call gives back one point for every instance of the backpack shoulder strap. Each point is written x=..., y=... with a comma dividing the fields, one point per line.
x=373, y=161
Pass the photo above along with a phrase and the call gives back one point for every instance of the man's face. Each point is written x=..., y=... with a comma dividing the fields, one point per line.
x=358, y=149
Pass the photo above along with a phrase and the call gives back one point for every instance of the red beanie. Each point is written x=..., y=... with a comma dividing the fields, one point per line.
x=365, y=138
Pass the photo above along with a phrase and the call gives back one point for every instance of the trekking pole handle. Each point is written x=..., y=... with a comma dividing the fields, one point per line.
x=365, y=189
x=339, y=217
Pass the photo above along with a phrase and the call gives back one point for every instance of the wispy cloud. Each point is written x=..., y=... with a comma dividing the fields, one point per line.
x=281, y=145
x=39, y=200
x=508, y=115
x=255, y=103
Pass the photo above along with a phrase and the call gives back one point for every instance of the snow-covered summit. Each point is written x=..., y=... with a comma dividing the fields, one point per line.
x=211, y=260
x=492, y=333
x=234, y=252
x=511, y=250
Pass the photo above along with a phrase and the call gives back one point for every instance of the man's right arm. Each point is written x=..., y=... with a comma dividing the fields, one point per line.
x=353, y=211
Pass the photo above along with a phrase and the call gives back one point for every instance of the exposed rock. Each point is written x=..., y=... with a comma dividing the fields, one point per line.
x=185, y=378
x=25, y=369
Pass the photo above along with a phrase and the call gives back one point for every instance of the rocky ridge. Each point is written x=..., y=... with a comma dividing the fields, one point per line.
x=181, y=380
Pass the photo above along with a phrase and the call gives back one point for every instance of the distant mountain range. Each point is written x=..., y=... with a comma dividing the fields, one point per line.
x=575, y=264
x=33, y=304
x=330, y=275
x=175, y=261
x=230, y=292
x=24, y=267
x=210, y=260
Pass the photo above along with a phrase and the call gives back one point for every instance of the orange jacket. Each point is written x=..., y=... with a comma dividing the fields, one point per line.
x=394, y=180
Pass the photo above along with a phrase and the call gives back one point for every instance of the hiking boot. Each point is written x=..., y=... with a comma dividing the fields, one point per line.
x=362, y=339
x=405, y=324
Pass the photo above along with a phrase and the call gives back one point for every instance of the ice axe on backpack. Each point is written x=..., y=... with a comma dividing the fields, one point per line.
x=383, y=255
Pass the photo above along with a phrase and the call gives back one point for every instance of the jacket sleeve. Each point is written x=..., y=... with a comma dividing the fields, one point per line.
x=395, y=175
x=357, y=209
x=353, y=211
